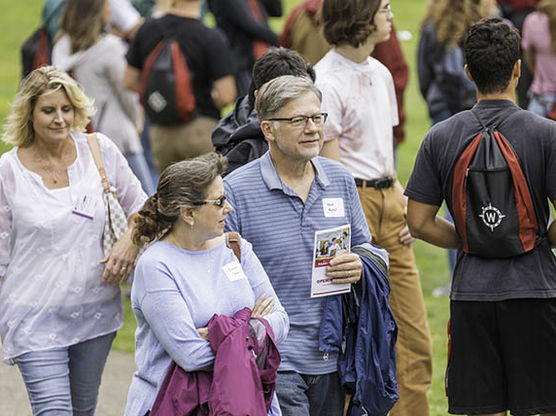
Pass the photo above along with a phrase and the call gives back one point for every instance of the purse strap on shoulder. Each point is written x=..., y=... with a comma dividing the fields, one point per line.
x=92, y=140
x=233, y=241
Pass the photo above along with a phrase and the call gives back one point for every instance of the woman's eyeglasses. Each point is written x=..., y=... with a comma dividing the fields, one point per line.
x=387, y=9
x=216, y=202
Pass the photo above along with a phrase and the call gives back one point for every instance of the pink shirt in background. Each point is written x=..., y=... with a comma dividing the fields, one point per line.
x=536, y=37
x=360, y=100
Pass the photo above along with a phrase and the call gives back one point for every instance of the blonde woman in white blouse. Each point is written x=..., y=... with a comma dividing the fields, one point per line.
x=59, y=296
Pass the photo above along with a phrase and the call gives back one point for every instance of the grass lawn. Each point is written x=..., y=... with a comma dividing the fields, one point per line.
x=21, y=18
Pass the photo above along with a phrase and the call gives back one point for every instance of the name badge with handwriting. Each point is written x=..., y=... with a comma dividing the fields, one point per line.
x=333, y=207
x=234, y=271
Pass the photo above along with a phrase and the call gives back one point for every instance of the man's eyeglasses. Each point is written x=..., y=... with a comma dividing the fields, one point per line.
x=301, y=121
x=216, y=202
x=387, y=9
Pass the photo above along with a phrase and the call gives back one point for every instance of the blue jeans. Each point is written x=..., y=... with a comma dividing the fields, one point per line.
x=443, y=115
x=65, y=381
x=139, y=166
x=307, y=395
x=541, y=104
x=452, y=254
x=146, y=143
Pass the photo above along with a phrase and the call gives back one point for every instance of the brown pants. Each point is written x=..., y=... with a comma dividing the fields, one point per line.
x=385, y=213
x=170, y=144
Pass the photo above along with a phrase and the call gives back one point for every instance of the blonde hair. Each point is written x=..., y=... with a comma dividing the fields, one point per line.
x=548, y=7
x=83, y=22
x=452, y=18
x=18, y=129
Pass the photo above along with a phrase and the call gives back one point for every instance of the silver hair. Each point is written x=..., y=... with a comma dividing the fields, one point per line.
x=278, y=92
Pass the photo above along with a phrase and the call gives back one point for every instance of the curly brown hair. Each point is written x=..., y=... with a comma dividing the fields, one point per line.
x=348, y=21
x=453, y=18
x=182, y=184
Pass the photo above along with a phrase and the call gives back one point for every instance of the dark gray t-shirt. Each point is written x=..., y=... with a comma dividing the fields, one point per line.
x=533, y=274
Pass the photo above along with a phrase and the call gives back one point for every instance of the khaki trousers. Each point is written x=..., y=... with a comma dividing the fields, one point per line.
x=170, y=144
x=385, y=213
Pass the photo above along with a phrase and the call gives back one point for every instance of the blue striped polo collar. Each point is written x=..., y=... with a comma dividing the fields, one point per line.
x=272, y=180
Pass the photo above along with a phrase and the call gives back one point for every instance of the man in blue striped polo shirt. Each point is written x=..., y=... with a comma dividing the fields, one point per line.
x=280, y=201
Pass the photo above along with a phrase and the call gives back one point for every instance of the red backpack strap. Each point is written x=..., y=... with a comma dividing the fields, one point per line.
x=459, y=201
x=233, y=241
x=259, y=47
x=185, y=96
x=527, y=217
x=151, y=58
x=43, y=50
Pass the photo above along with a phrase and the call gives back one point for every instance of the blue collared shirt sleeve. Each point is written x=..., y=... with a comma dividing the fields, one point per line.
x=232, y=219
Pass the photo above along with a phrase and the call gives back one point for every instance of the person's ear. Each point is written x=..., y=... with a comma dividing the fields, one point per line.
x=467, y=73
x=187, y=215
x=517, y=69
x=268, y=130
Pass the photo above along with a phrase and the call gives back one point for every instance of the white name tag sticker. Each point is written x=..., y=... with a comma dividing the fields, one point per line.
x=333, y=207
x=85, y=207
x=234, y=271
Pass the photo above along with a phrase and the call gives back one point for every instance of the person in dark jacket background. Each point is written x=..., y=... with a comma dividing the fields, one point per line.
x=516, y=11
x=245, y=24
x=442, y=81
x=242, y=124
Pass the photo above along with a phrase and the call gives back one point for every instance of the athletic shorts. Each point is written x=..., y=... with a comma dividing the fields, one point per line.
x=502, y=356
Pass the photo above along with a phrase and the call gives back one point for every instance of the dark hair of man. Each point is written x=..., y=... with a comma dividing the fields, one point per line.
x=348, y=21
x=275, y=63
x=491, y=49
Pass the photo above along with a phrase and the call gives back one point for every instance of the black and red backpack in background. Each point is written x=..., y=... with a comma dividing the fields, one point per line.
x=166, y=84
x=491, y=201
x=36, y=51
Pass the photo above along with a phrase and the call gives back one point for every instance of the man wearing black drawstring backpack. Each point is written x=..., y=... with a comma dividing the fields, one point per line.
x=495, y=166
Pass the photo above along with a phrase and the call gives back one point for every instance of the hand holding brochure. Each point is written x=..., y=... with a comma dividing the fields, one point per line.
x=329, y=244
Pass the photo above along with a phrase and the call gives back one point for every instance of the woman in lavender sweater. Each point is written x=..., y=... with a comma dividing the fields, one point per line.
x=187, y=275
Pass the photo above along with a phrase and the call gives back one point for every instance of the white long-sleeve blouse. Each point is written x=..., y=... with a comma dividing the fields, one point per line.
x=51, y=291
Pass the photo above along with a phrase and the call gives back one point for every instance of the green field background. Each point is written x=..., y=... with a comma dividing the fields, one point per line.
x=20, y=18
